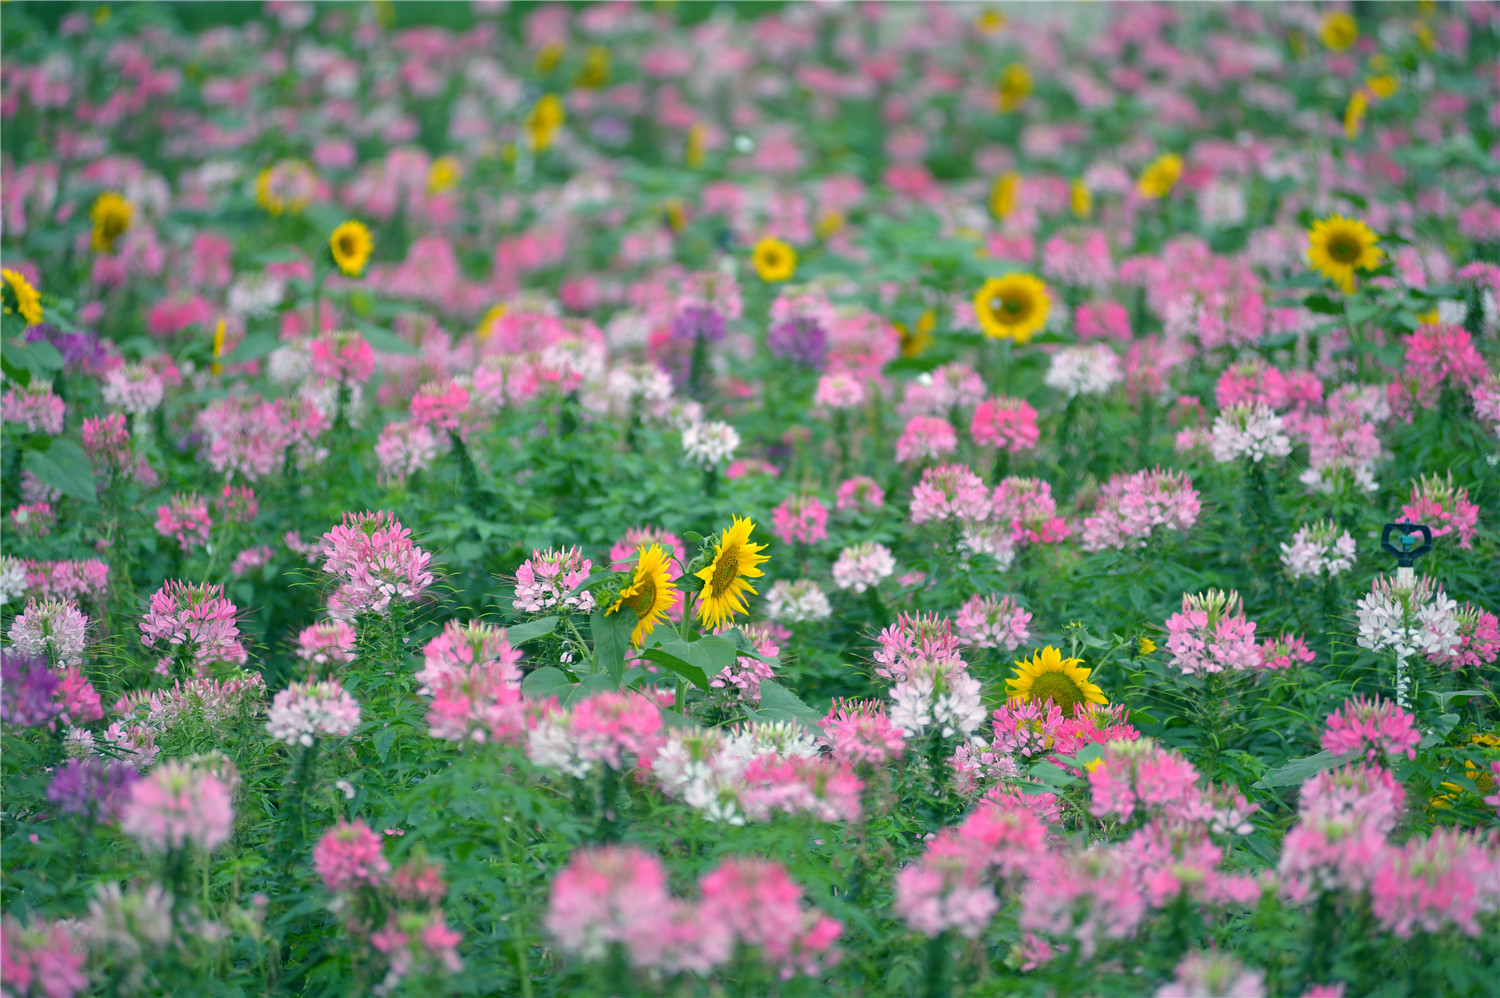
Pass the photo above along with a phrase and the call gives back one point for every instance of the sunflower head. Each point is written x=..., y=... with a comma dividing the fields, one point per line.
x=1337, y=246
x=111, y=215
x=1338, y=30
x=543, y=121
x=443, y=175
x=1049, y=676
x=650, y=594
x=20, y=297
x=774, y=260
x=735, y=560
x=1004, y=193
x=351, y=245
x=1080, y=199
x=1012, y=307
x=1354, y=114
x=1015, y=86
x=1160, y=176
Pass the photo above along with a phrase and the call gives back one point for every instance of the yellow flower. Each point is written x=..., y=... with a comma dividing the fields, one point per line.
x=1430, y=318
x=351, y=246
x=1489, y=741
x=102, y=14
x=651, y=592
x=595, y=71
x=1338, y=30
x=20, y=297
x=675, y=213
x=697, y=139
x=286, y=186
x=1049, y=676
x=1336, y=246
x=1427, y=37
x=990, y=22
x=1354, y=114
x=829, y=223
x=1080, y=199
x=543, y=121
x=217, y=368
x=724, y=585
x=1160, y=176
x=548, y=57
x=1015, y=86
x=111, y=214
x=1145, y=646
x=1012, y=307
x=1004, y=193
x=443, y=175
x=486, y=327
x=774, y=260
x=1383, y=85
x=916, y=342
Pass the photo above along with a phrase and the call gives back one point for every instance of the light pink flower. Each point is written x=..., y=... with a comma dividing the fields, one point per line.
x=176, y=806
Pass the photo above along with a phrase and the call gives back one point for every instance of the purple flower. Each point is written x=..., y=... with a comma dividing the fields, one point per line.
x=27, y=690
x=800, y=338
x=79, y=350
x=698, y=322
x=92, y=787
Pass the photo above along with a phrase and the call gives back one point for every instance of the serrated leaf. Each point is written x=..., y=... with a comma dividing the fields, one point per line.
x=65, y=467
x=519, y=634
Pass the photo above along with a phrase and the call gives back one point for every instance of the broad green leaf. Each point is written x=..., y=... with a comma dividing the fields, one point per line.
x=65, y=467
x=519, y=634
x=1299, y=770
x=695, y=661
x=384, y=340
x=777, y=703
x=1443, y=698
x=611, y=633
x=1053, y=776
x=253, y=347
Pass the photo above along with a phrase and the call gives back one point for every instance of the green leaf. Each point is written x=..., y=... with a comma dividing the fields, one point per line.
x=1443, y=698
x=693, y=660
x=1440, y=728
x=253, y=347
x=596, y=576
x=745, y=647
x=43, y=358
x=384, y=739
x=550, y=681
x=1323, y=305
x=1053, y=776
x=777, y=703
x=384, y=340
x=519, y=634
x=65, y=467
x=611, y=633
x=1298, y=770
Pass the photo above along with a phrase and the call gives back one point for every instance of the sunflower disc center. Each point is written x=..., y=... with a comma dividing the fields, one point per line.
x=644, y=598
x=1344, y=249
x=726, y=570
x=1063, y=691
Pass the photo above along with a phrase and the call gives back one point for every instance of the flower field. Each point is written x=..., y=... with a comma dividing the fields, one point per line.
x=793, y=499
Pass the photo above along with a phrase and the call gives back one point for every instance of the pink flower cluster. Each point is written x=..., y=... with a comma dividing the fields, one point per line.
x=1284, y=652
x=185, y=520
x=953, y=885
x=327, y=643
x=350, y=856
x=35, y=407
x=547, y=580
x=926, y=438
x=1377, y=729
x=1139, y=776
x=1007, y=424
x=1026, y=507
x=743, y=678
x=1478, y=638
x=192, y=624
x=54, y=629
x=1444, y=507
x=303, y=712
x=404, y=448
x=861, y=734
x=106, y=440
x=377, y=563
x=1132, y=506
x=342, y=357
x=800, y=519
x=622, y=556
x=863, y=566
x=42, y=959
x=911, y=638
x=1211, y=635
x=611, y=729
x=178, y=805
x=859, y=492
x=950, y=492
x=1437, y=357
x=618, y=896
x=472, y=675
x=827, y=789
x=987, y=622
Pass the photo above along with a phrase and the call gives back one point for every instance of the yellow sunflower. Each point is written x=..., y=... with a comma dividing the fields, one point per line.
x=1012, y=307
x=1049, y=676
x=1015, y=86
x=21, y=298
x=1382, y=81
x=650, y=595
x=1354, y=114
x=111, y=214
x=1160, y=176
x=774, y=260
x=1004, y=193
x=543, y=121
x=990, y=22
x=1338, y=30
x=595, y=71
x=915, y=342
x=443, y=175
x=486, y=327
x=1080, y=199
x=351, y=246
x=724, y=585
x=1336, y=246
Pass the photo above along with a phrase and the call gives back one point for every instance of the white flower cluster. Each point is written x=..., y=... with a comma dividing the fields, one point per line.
x=12, y=579
x=1318, y=549
x=703, y=767
x=1085, y=370
x=1249, y=431
x=793, y=602
x=863, y=565
x=1408, y=618
x=937, y=694
x=710, y=443
x=303, y=711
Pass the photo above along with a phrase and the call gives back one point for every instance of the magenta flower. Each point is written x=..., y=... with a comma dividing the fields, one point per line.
x=185, y=520
x=547, y=580
x=1212, y=635
x=987, y=622
x=177, y=806
x=926, y=438
x=377, y=563
x=192, y=624
x=1007, y=424
x=1133, y=506
x=860, y=733
x=349, y=856
x=800, y=519
x=1377, y=729
x=329, y=642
